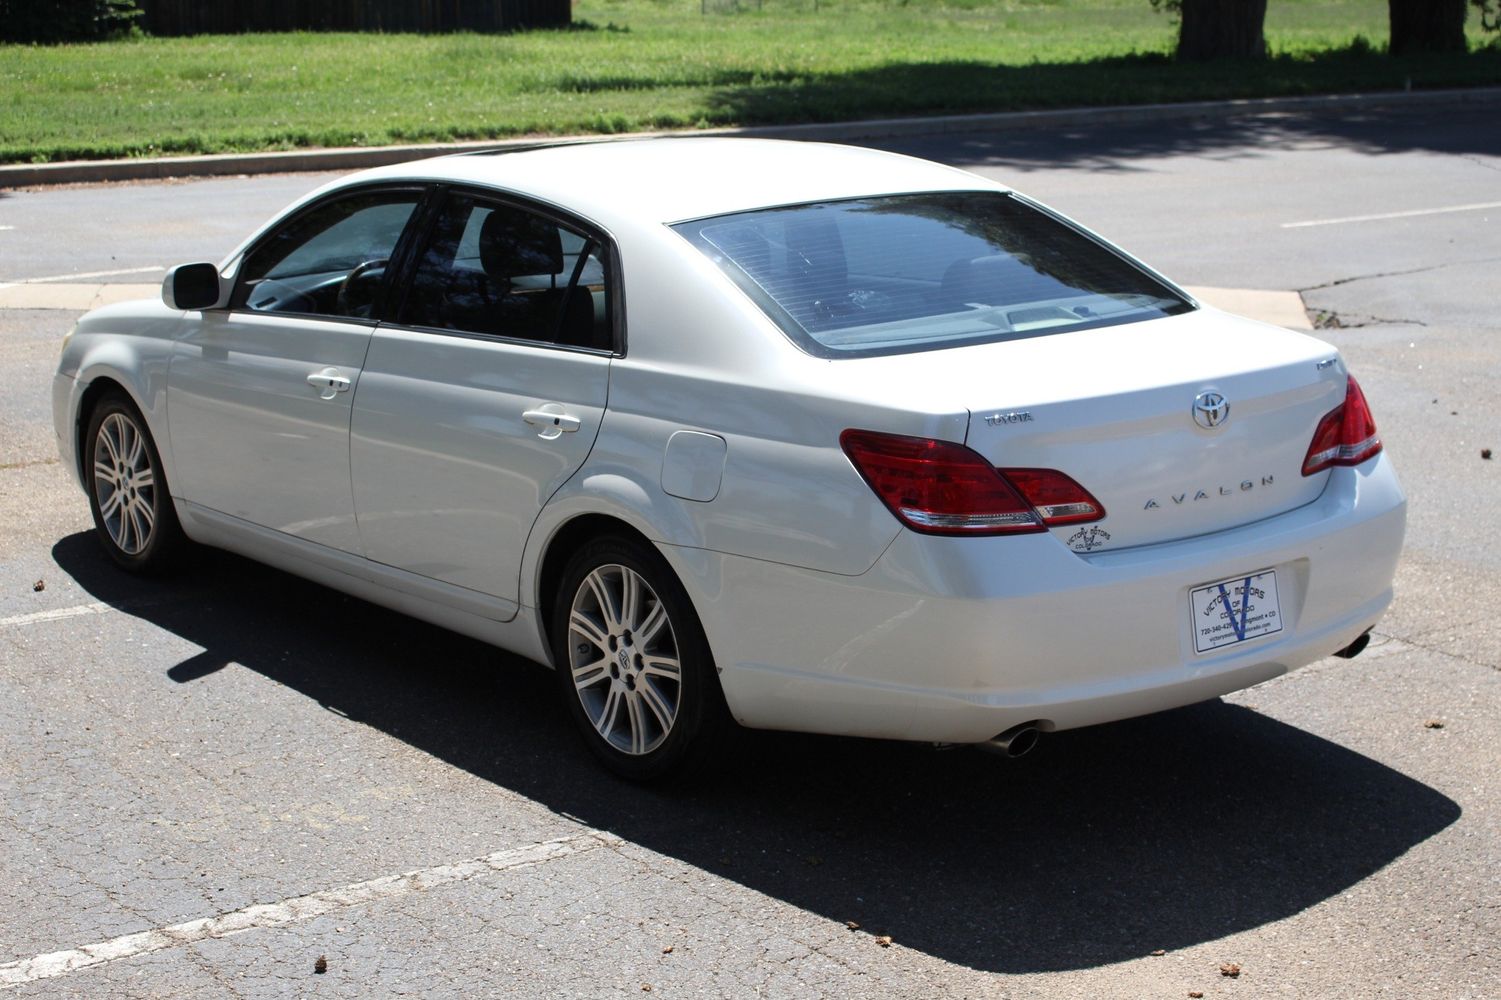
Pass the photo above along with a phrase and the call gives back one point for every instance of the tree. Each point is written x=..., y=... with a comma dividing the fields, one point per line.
x=1427, y=26
x=65, y=20
x=1220, y=29
x=1490, y=14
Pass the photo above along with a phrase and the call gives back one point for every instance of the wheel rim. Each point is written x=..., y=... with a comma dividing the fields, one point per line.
x=125, y=483
x=624, y=658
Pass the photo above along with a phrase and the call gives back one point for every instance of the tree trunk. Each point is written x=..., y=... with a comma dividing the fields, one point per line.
x=1427, y=26
x=1224, y=29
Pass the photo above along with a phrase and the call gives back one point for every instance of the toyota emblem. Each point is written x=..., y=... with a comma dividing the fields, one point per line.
x=1211, y=409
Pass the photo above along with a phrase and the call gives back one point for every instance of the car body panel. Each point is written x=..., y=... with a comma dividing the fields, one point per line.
x=465, y=611
x=128, y=344
x=448, y=474
x=252, y=437
x=1112, y=407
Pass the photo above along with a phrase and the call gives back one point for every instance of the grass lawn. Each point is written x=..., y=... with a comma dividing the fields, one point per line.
x=644, y=64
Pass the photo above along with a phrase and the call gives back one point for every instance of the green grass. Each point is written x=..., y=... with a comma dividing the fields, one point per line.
x=645, y=64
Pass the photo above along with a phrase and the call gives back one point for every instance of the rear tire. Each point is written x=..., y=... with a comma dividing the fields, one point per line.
x=128, y=495
x=633, y=665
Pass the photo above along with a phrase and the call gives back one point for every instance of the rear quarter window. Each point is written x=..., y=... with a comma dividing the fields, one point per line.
x=924, y=271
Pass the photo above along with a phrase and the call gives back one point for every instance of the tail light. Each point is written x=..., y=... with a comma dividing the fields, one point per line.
x=943, y=488
x=1345, y=436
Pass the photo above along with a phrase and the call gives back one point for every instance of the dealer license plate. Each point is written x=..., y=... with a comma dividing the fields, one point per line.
x=1235, y=610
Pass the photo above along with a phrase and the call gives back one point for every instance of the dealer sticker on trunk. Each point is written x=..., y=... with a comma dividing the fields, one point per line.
x=1233, y=611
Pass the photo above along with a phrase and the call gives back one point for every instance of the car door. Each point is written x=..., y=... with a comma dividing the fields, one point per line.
x=259, y=394
x=485, y=394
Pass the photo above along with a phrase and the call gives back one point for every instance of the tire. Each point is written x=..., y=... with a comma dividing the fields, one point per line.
x=128, y=495
x=633, y=665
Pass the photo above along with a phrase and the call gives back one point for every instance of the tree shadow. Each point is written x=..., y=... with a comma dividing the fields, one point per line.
x=962, y=87
x=1162, y=832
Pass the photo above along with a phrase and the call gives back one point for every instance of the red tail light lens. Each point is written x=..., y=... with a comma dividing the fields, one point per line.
x=1058, y=498
x=943, y=488
x=1345, y=436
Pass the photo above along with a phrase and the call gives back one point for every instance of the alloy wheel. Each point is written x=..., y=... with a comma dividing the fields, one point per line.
x=125, y=483
x=623, y=655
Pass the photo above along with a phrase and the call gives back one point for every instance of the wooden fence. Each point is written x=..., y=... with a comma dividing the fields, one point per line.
x=197, y=17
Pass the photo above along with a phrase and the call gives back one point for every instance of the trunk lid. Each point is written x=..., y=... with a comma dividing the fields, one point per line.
x=1114, y=409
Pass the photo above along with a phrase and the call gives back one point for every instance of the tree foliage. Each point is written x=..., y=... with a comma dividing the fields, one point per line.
x=1490, y=13
x=65, y=20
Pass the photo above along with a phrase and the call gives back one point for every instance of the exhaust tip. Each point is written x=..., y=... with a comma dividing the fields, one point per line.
x=1355, y=648
x=1014, y=742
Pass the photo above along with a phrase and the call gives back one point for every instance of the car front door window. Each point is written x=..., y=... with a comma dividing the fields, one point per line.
x=329, y=261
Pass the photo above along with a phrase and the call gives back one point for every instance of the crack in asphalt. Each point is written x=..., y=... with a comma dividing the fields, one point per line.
x=1328, y=319
x=295, y=910
x=1397, y=274
x=627, y=851
x=1479, y=162
x=1441, y=651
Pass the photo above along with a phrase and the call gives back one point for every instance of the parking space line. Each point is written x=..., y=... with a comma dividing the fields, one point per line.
x=80, y=610
x=56, y=614
x=1478, y=206
x=296, y=909
x=82, y=274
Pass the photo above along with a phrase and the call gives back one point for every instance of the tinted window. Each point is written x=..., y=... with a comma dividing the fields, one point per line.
x=496, y=269
x=912, y=272
x=329, y=261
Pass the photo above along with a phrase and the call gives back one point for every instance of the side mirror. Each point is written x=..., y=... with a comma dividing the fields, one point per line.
x=194, y=286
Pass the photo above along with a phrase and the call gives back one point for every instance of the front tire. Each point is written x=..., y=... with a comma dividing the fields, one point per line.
x=128, y=496
x=633, y=664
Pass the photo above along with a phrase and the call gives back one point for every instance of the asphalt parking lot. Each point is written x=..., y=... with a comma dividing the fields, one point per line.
x=213, y=781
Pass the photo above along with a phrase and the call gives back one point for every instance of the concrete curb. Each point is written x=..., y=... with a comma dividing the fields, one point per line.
x=356, y=158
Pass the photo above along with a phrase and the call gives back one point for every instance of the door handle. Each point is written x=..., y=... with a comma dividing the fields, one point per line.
x=553, y=420
x=329, y=381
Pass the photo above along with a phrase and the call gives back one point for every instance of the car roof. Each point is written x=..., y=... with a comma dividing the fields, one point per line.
x=676, y=179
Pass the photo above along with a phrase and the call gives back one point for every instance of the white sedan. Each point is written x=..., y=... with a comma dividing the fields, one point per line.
x=801, y=436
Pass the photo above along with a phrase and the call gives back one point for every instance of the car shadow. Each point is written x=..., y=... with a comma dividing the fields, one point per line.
x=1107, y=843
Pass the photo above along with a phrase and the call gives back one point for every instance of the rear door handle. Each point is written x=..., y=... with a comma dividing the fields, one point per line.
x=329, y=381
x=552, y=420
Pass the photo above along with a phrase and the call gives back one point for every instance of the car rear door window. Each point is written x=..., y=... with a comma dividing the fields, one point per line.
x=492, y=268
x=916, y=272
x=330, y=260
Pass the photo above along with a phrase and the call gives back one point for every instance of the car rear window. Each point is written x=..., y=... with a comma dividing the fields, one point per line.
x=916, y=272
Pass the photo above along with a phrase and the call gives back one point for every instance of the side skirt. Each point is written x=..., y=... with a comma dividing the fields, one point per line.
x=495, y=620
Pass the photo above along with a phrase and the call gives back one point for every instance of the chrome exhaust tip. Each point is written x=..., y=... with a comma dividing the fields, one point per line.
x=1355, y=648
x=1015, y=742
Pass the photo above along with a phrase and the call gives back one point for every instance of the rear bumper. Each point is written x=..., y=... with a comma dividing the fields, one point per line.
x=957, y=639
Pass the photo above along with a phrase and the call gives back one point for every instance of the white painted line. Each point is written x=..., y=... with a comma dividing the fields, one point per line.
x=294, y=910
x=72, y=296
x=84, y=274
x=1394, y=215
x=79, y=610
x=7, y=229
x=56, y=614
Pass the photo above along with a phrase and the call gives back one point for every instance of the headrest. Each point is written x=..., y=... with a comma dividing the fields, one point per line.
x=514, y=243
x=993, y=280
